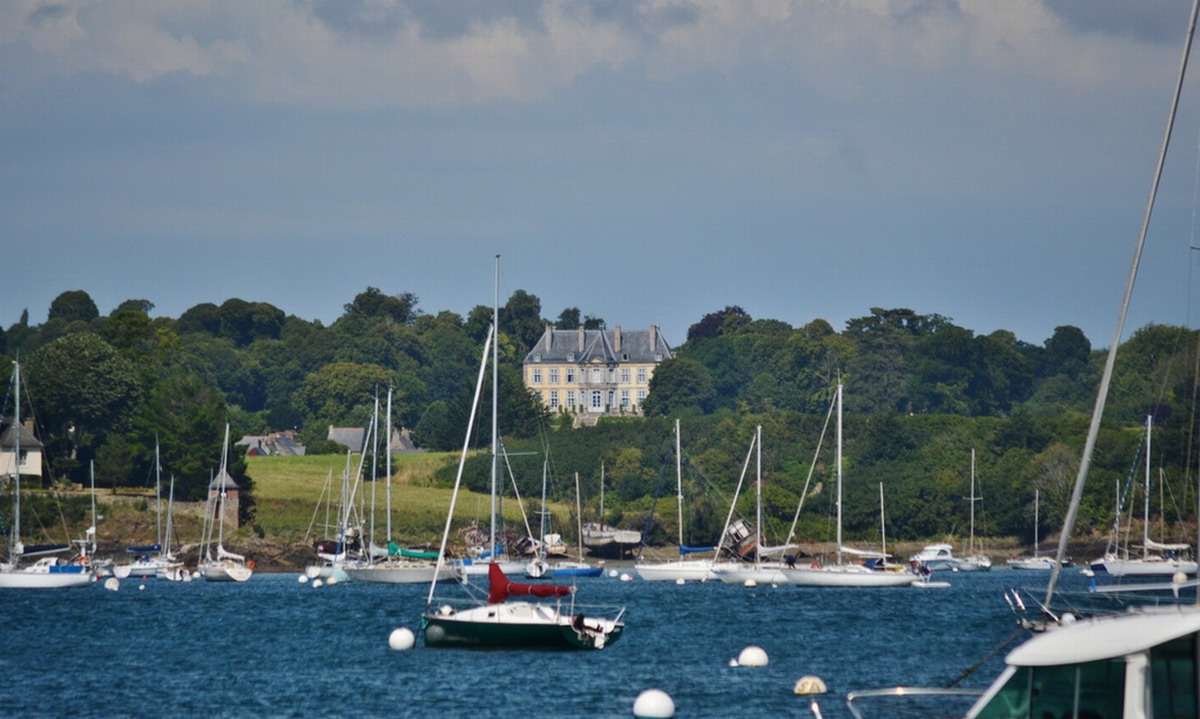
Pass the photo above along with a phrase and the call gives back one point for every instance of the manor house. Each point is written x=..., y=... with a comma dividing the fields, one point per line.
x=595, y=371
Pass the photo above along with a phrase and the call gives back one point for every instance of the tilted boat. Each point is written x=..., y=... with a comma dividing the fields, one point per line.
x=223, y=566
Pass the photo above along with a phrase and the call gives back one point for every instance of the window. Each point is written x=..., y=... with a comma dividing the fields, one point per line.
x=612, y=375
x=1173, y=678
x=612, y=400
x=597, y=404
x=570, y=356
x=641, y=375
x=624, y=375
x=658, y=357
x=570, y=375
x=571, y=398
x=641, y=396
x=1071, y=690
x=596, y=375
x=625, y=398
x=554, y=376
x=537, y=375
x=553, y=399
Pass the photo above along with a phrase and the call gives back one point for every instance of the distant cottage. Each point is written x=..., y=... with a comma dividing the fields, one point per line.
x=223, y=483
x=354, y=439
x=31, y=448
x=275, y=444
x=594, y=372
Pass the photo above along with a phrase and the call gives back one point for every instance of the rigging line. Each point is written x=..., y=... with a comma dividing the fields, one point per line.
x=995, y=650
x=811, y=468
x=1109, y=361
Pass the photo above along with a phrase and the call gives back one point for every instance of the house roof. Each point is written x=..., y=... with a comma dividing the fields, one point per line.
x=223, y=481
x=351, y=438
x=607, y=346
x=8, y=436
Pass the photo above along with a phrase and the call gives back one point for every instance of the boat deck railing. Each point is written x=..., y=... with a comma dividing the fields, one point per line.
x=915, y=701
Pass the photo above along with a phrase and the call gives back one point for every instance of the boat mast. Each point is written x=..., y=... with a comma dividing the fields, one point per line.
x=1035, y=521
x=882, y=524
x=601, y=494
x=679, y=485
x=1111, y=359
x=14, y=547
x=221, y=494
x=838, y=462
x=387, y=448
x=758, y=496
x=1146, y=493
x=971, y=543
x=495, y=397
x=157, y=493
x=579, y=516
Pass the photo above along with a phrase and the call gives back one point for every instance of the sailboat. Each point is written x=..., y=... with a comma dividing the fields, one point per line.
x=399, y=566
x=541, y=566
x=603, y=540
x=47, y=572
x=150, y=560
x=759, y=569
x=675, y=569
x=499, y=620
x=936, y=557
x=1035, y=562
x=223, y=566
x=840, y=573
x=1157, y=559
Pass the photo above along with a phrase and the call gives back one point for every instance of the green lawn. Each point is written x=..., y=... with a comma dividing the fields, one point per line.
x=288, y=491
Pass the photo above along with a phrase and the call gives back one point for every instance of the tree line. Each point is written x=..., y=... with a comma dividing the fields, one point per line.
x=921, y=392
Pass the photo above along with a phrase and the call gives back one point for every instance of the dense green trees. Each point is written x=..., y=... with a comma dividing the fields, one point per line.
x=920, y=393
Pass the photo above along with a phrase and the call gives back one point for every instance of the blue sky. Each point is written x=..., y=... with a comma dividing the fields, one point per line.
x=647, y=162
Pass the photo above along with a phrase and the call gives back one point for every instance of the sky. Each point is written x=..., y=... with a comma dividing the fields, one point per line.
x=647, y=162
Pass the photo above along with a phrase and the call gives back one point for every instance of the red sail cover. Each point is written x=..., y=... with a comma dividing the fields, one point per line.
x=502, y=589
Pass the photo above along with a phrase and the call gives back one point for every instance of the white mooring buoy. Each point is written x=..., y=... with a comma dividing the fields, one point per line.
x=401, y=639
x=612, y=573
x=750, y=583
x=808, y=685
x=653, y=704
x=680, y=581
x=303, y=579
x=112, y=584
x=626, y=578
x=752, y=656
x=317, y=583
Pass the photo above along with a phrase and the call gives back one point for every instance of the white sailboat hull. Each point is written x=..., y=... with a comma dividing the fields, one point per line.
x=689, y=570
x=225, y=571
x=848, y=575
x=1031, y=563
x=401, y=573
x=763, y=574
x=1148, y=567
x=43, y=577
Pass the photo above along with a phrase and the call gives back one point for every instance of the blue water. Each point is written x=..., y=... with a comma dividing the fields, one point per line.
x=273, y=647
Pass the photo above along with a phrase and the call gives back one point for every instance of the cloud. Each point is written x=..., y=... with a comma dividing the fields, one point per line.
x=421, y=53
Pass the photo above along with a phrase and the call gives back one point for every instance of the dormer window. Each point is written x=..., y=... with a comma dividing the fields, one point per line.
x=570, y=356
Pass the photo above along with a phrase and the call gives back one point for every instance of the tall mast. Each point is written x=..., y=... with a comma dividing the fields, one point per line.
x=971, y=544
x=495, y=397
x=15, y=547
x=221, y=493
x=758, y=495
x=157, y=493
x=679, y=485
x=838, y=462
x=882, y=523
x=387, y=448
x=1146, y=493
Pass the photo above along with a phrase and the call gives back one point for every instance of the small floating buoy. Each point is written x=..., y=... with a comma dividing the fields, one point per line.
x=612, y=573
x=752, y=656
x=654, y=704
x=112, y=584
x=317, y=583
x=187, y=576
x=332, y=580
x=809, y=684
x=626, y=578
x=401, y=639
x=303, y=579
x=1179, y=578
x=141, y=587
x=680, y=581
x=750, y=583
x=1067, y=618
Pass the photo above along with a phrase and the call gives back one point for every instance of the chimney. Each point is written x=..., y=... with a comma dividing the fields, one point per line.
x=549, y=337
x=581, y=338
x=617, y=339
x=653, y=338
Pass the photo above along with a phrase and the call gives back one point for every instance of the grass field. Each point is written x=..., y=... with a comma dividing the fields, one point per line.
x=289, y=493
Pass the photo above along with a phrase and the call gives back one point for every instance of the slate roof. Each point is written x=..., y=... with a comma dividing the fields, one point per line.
x=223, y=481
x=351, y=438
x=607, y=346
x=8, y=436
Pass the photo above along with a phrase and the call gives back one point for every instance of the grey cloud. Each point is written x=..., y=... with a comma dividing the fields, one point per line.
x=437, y=20
x=1157, y=21
x=47, y=13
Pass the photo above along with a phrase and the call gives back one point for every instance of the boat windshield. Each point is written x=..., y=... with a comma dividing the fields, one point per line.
x=1092, y=689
